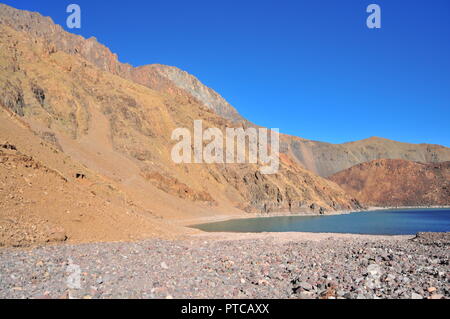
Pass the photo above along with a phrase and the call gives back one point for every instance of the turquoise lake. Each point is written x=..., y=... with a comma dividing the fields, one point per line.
x=381, y=222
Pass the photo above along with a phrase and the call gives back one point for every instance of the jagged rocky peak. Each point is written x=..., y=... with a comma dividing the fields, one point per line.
x=58, y=39
x=197, y=89
x=32, y=22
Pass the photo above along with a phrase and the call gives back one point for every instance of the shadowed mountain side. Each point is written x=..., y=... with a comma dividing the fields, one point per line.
x=392, y=183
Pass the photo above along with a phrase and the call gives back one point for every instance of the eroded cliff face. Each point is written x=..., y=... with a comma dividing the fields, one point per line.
x=117, y=121
x=201, y=92
x=397, y=183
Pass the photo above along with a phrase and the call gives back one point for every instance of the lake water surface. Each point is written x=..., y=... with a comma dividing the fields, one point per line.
x=382, y=222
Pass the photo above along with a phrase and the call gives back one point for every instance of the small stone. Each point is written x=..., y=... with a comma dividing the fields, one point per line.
x=374, y=270
x=263, y=282
x=406, y=280
x=390, y=277
x=437, y=296
x=306, y=286
x=348, y=295
x=164, y=265
x=305, y=295
x=431, y=289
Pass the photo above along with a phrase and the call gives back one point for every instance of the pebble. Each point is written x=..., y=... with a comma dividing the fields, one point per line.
x=306, y=286
x=164, y=265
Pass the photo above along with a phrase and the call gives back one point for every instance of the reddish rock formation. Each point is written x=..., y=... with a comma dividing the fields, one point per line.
x=397, y=183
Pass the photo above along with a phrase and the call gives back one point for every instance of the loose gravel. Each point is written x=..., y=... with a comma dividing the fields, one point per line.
x=335, y=268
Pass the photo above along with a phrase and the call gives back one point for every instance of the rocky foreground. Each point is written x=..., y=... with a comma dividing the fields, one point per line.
x=254, y=267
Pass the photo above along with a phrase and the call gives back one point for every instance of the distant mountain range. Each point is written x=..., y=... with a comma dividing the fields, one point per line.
x=113, y=122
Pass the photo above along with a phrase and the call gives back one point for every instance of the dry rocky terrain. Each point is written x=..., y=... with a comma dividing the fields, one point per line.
x=396, y=183
x=245, y=266
x=326, y=159
x=68, y=102
x=87, y=180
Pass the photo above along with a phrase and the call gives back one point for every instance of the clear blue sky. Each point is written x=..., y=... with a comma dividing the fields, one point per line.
x=311, y=68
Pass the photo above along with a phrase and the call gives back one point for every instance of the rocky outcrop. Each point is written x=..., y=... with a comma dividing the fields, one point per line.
x=397, y=183
x=198, y=90
x=173, y=186
x=12, y=97
x=292, y=191
x=57, y=39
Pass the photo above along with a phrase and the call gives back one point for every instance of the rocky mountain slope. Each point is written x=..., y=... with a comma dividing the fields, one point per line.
x=397, y=183
x=114, y=123
x=321, y=158
x=47, y=197
x=110, y=124
x=158, y=77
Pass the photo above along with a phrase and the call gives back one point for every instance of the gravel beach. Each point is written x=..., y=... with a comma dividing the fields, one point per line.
x=234, y=266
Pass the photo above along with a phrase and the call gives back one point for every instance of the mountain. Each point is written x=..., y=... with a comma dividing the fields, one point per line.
x=392, y=183
x=321, y=158
x=158, y=77
x=111, y=124
x=327, y=159
x=69, y=105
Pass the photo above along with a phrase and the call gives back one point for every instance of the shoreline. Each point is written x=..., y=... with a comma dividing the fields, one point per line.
x=215, y=219
x=192, y=233
x=296, y=236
